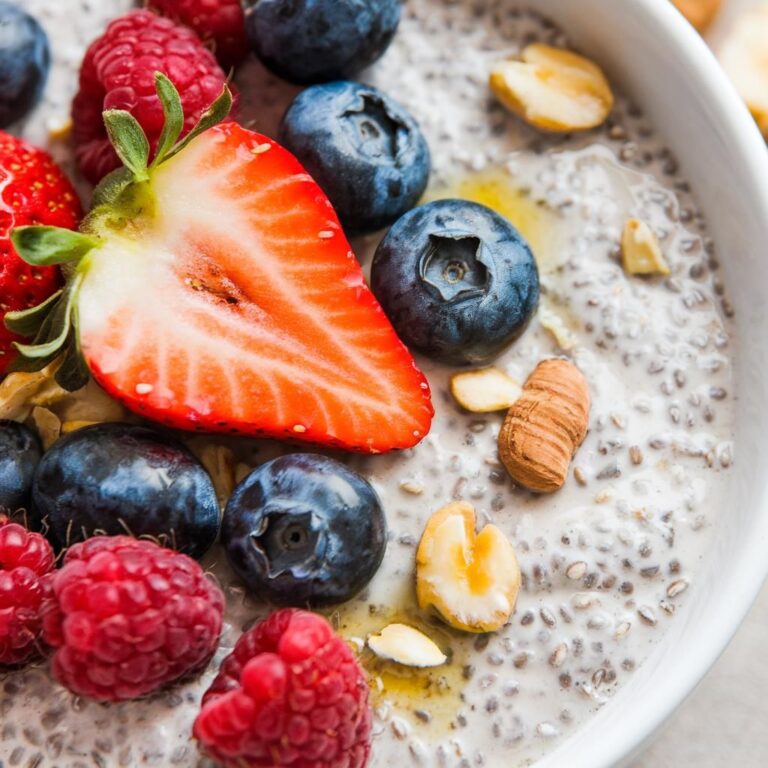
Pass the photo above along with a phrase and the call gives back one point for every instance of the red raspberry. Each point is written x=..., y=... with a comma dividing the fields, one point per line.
x=118, y=73
x=220, y=23
x=290, y=694
x=33, y=190
x=25, y=560
x=128, y=617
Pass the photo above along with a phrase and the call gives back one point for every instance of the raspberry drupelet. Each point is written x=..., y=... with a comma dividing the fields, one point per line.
x=26, y=561
x=291, y=694
x=127, y=617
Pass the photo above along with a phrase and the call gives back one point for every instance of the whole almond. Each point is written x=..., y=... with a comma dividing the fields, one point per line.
x=543, y=429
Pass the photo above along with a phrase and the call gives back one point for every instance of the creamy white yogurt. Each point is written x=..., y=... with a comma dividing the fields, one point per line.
x=607, y=560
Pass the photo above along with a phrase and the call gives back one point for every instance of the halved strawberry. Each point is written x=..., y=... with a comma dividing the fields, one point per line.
x=219, y=293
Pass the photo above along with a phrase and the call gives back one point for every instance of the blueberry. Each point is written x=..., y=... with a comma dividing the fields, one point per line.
x=20, y=452
x=304, y=529
x=118, y=478
x=25, y=59
x=458, y=282
x=314, y=41
x=365, y=151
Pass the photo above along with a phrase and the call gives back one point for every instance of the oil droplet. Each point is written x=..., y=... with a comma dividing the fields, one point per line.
x=497, y=188
x=436, y=691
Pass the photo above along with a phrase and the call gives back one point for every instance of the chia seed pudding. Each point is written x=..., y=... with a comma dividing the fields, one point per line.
x=607, y=561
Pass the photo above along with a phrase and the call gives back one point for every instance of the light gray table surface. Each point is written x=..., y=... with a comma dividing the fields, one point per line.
x=724, y=724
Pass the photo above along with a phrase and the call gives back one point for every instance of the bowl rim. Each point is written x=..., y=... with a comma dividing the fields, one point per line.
x=739, y=129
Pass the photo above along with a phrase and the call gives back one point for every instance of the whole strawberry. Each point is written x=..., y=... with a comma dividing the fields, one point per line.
x=26, y=559
x=290, y=694
x=127, y=617
x=33, y=190
x=118, y=73
x=220, y=23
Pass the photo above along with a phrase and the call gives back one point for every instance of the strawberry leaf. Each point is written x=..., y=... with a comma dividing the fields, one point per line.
x=174, y=116
x=56, y=326
x=129, y=140
x=44, y=246
x=212, y=116
x=73, y=373
x=30, y=364
x=27, y=322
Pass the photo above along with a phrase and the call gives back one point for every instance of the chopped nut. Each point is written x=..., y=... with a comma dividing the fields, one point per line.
x=471, y=579
x=219, y=461
x=554, y=324
x=412, y=487
x=73, y=426
x=59, y=128
x=17, y=390
x=47, y=425
x=484, y=391
x=700, y=13
x=743, y=56
x=553, y=89
x=406, y=645
x=543, y=429
x=94, y=405
x=640, y=250
x=242, y=470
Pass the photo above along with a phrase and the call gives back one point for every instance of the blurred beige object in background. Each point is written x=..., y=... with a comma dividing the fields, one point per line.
x=744, y=56
x=700, y=13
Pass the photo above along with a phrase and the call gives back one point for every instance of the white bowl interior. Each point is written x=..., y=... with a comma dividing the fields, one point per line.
x=667, y=69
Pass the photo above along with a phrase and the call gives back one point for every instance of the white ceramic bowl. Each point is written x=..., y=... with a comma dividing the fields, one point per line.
x=664, y=65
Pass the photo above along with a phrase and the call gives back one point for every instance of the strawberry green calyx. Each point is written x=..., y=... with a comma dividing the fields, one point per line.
x=120, y=201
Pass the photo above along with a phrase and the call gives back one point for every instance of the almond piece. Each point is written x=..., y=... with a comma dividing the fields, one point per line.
x=484, y=391
x=553, y=89
x=17, y=390
x=543, y=429
x=471, y=579
x=407, y=646
x=701, y=13
x=552, y=322
x=47, y=424
x=640, y=250
x=744, y=56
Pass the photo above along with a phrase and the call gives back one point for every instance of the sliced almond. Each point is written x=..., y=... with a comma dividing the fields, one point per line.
x=640, y=250
x=701, y=13
x=47, y=424
x=406, y=645
x=17, y=390
x=219, y=461
x=553, y=89
x=744, y=56
x=471, y=579
x=484, y=391
x=73, y=426
x=554, y=324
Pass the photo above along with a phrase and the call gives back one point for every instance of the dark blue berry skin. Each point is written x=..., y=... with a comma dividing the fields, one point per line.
x=458, y=282
x=314, y=41
x=25, y=59
x=20, y=453
x=304, y=529
x=364, y=150
x=93, y=478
